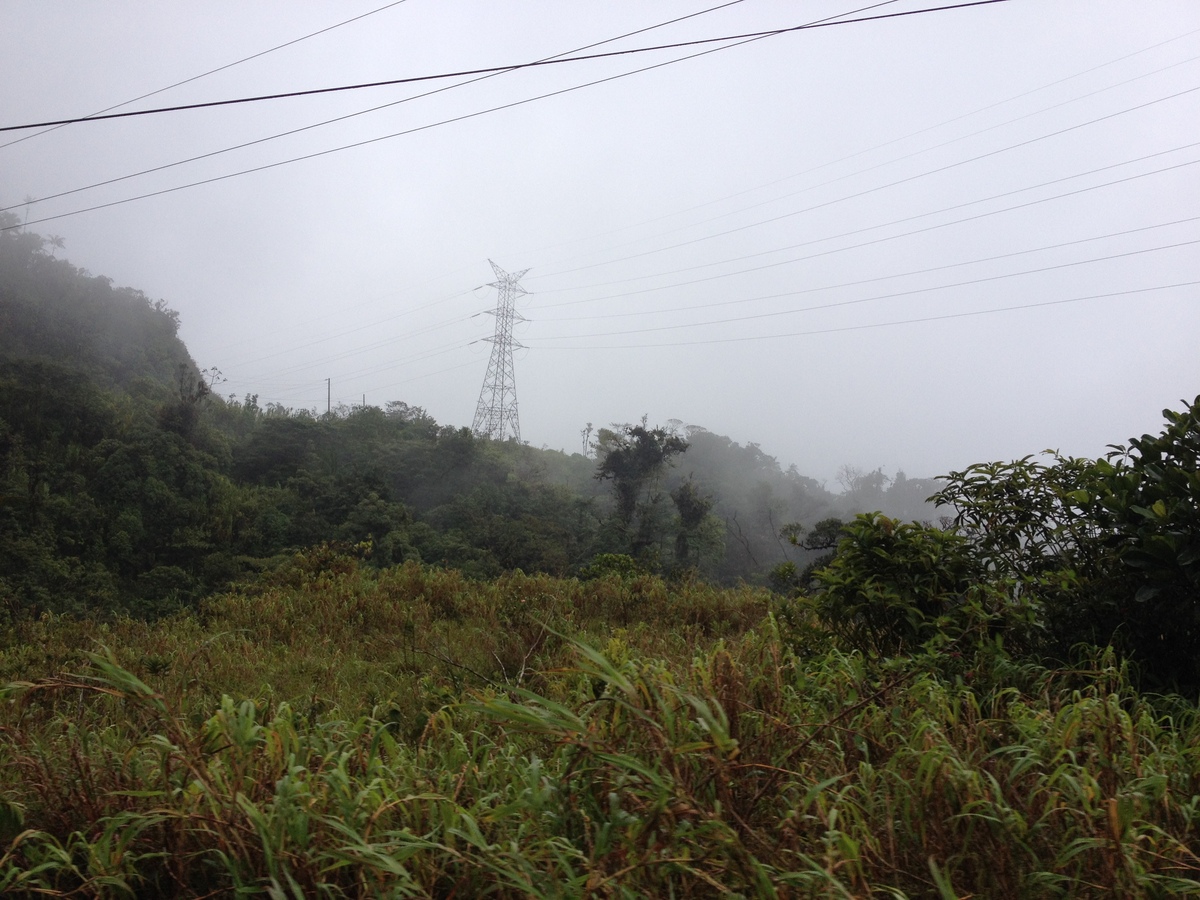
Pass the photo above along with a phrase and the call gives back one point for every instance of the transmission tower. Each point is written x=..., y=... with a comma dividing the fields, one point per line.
x=496, y=412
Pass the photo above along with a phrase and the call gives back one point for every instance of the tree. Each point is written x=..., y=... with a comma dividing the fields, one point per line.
x=693, y=508
x=1149, y=499
x=633, y=458
x=1107, y=550
x=182, y=416
x=893, y=586
x=864, y=490
x=822, y=539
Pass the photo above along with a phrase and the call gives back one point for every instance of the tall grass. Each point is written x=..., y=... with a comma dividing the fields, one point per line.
x=270, y=748
x=334, y=639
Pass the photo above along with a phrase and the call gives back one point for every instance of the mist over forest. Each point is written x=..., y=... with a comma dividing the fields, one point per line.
x=367, y=653
x=130, y=483
x=847, y=543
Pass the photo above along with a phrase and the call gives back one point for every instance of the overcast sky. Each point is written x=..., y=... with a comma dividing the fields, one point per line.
x=912, y=243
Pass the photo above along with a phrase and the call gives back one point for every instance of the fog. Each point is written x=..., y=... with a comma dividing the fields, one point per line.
x=910, y=243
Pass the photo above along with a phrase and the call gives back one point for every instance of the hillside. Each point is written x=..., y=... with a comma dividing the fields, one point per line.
x=354, y=732
x=126, y=484
x=52, y=312
x=255, y=651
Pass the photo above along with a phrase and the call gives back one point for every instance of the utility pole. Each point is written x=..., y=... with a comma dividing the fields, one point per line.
x=328, y=396
x=496, y=412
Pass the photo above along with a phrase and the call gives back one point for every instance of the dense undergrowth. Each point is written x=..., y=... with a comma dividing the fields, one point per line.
x=129, y=484
x=346, y=731
x=914, y=714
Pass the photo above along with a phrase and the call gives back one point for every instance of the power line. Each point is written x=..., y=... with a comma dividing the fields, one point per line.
x=332, y=150
x=900, y=221
x=862, y=300
x=475, y=114
x=881, y=146
x=863, y=327
x=374, y=324
x=981, y=312
x=451, y=347
x=846, y=284
x=439, y=351
x=880, y=165
x=923, y=215
x=891, y=237
x=340, y=314
x=540, y=345
x=900, y=181
x=816, y=332
x=693, y=240
x=457, y=345
x=96, y=116
x=512, y=67
x=361, y=112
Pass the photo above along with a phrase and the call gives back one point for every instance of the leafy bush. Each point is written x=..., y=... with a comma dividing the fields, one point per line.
x=732, y=769
x=1149, y=499
x=1108, y=551
x=621, y=565
x=894, y=586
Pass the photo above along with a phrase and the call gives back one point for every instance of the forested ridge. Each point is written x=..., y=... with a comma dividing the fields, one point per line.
x=127, y=482
x=250, y=650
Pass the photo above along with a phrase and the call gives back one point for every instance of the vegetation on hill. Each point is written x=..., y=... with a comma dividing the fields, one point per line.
x=255, y=651
x=348, y=731
x=126, y=484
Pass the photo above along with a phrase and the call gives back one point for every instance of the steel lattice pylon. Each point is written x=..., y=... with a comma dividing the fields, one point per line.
x=496, y=412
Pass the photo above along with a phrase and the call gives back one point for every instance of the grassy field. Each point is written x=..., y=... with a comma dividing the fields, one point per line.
x=341, y=731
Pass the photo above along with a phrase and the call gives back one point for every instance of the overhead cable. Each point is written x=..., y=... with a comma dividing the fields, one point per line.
x=872, y=168
x=877, y=278
x=891, y=296
x=884, y=144
x=869, y=325
x=571, y=89
x=431, y=125
x=361, y=112
x=511, y=67
x=892, y=237
x=100, y=114
x=900, y=181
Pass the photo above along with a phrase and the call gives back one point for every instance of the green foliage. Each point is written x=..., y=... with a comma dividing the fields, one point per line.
x=1148, y=498
x=112, y=502
x=1108, y=550
x=1153, y=496
x=328, y=624
x=189, y=761
x=101, y=503
x=634, y=458
x=699, y=536
x=400, y=710
x=1027, y=518
x=825, y=535
x=621, y=565
x=54, y=312
x=894, y=586
x=821, y=543
x=126, y=484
